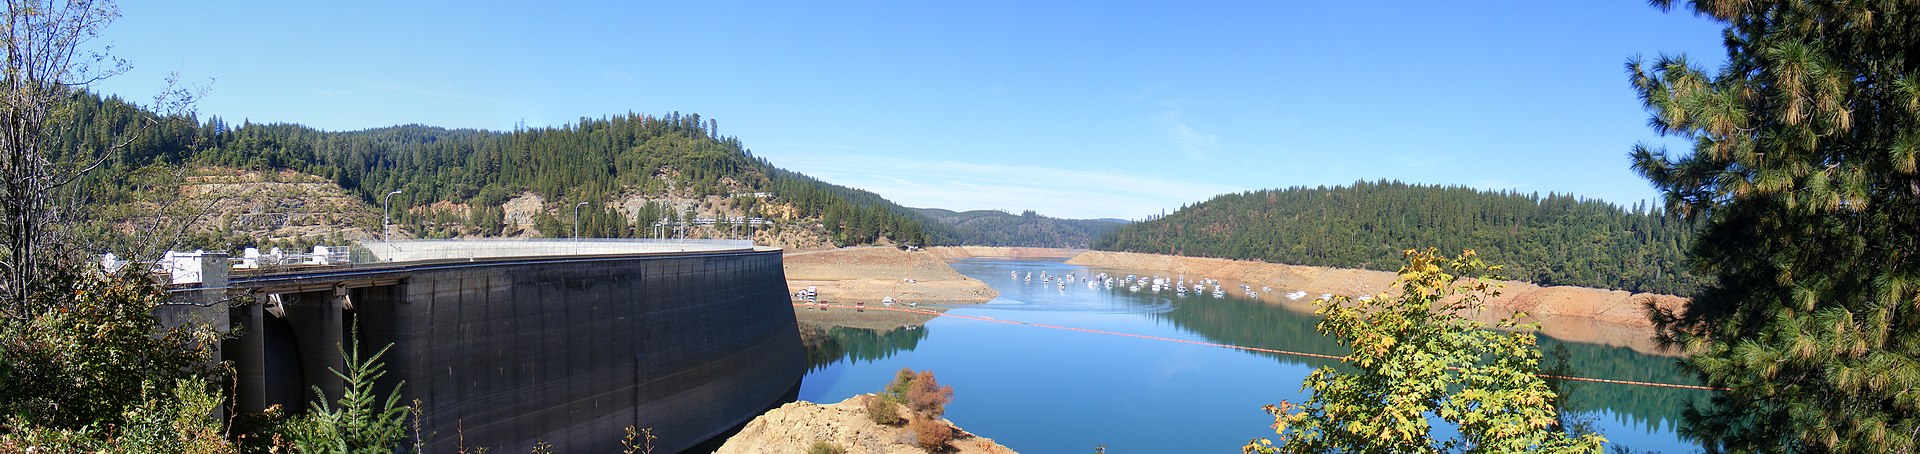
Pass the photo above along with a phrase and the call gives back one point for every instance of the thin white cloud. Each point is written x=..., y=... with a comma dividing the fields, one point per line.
x=1147, y=91
x=621, y=76
x=1194, y=144
x=1052, y=191
x=1416, y=161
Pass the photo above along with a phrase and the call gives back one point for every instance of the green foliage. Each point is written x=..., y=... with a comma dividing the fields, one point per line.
x=668, y=156
x=882, y=410
x=184, y=423
x=1555, y=240
x=1805, y=169
x=85, y=359
x=902, y=381
x=1253, y=323
x=357, y=426
x=825, y=447
x=23, y=438
x=1417, y=356
x=1029, y=229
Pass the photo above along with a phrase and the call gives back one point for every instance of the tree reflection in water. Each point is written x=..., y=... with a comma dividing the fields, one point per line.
x=827, y=345
x=1255, y=324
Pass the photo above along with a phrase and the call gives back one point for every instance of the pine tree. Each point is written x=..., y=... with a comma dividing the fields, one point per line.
x=1804, y=170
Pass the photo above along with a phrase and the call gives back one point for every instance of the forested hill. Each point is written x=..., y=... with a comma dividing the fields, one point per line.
x=1555, y=240
x=629, y=169
x=1028, y=229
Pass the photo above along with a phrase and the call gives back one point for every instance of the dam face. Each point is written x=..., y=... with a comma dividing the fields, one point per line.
x=566, y=350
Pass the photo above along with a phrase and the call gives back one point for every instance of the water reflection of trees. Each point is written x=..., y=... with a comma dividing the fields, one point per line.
x=830, y=344
x=1648, y=407
x=1254, y=324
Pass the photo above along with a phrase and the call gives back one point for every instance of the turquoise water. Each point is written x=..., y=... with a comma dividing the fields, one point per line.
x=1055, y=391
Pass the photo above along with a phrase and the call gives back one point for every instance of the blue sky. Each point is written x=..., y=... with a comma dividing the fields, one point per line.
x=1114, y=109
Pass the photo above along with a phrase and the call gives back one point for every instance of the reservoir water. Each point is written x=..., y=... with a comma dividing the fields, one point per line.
x=1059, y=391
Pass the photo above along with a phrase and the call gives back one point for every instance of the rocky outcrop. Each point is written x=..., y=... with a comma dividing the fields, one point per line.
x=267, y=205
x=797, y=426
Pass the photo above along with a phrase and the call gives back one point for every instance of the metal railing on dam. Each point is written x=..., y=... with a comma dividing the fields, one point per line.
x=429, y=250
x=505, y=343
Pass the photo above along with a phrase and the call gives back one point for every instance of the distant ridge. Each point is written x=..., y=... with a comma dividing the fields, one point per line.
x=1553, y=240
x=1028, y=229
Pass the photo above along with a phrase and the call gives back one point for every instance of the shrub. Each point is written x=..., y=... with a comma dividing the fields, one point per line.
x=897, y=389
x=827, y=447
x=183, y=422
x=883, y=411
x=926, y=395
x=1415, y=359
x=930, y=433
x=89, y=356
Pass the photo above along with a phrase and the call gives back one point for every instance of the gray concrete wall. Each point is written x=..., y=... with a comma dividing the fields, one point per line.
x=568, y=351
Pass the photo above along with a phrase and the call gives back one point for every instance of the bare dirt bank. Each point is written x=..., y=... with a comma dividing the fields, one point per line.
x=867, y=274
x=796, y=426
x=961, y=252
x=877, y=320
x=1579, y=314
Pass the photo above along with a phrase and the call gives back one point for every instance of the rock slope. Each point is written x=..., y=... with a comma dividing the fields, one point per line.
x=797, y=426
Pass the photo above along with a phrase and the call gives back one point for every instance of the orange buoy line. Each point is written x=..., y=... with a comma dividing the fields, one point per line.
x=1214, y=344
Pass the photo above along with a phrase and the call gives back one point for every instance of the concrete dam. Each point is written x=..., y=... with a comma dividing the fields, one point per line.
x=505, y=343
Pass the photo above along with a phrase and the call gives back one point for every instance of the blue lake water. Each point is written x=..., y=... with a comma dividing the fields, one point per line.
x=1047, y=390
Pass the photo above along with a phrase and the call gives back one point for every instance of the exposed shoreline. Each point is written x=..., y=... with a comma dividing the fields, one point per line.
x=853, y=275
x=961, y=252
x=1577, y=314
x=868, y=274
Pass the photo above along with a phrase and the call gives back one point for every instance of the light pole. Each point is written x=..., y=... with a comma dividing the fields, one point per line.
x=576, y=220
x=386, y=218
